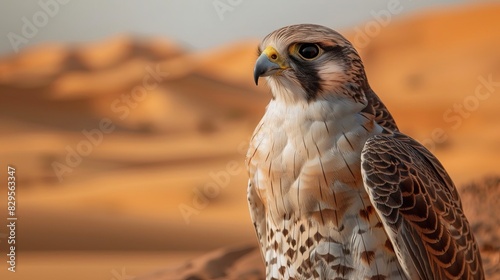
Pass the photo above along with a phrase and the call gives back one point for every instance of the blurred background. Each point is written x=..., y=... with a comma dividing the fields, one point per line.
x=128, y=122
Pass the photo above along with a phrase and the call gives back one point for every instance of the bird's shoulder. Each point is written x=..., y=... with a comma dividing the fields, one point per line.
x=420, y=208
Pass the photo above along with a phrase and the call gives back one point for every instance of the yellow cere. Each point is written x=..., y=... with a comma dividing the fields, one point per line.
x=275, y=57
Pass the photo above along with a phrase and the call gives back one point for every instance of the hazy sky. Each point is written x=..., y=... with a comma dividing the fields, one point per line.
x=198, y=24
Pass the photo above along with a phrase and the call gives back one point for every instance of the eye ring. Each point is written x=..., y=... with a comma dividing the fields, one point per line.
x=308, y=51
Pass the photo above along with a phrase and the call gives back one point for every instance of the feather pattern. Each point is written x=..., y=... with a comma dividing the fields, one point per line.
x=420, y=209
x=335, y=190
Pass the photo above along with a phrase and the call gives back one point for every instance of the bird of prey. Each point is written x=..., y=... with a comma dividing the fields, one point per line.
x=336, y=191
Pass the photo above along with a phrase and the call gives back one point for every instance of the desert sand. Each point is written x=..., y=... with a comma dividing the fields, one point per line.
x=164, y=181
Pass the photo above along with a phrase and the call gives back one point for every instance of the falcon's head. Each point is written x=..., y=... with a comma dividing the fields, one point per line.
x=305, y=62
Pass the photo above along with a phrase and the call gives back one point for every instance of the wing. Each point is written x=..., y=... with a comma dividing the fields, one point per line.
x=420, y=209
x=258, y=215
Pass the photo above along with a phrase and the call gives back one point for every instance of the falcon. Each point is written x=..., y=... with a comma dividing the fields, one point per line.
x=336, y=191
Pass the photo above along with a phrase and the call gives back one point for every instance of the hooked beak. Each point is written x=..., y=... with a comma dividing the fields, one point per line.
x=267, y=64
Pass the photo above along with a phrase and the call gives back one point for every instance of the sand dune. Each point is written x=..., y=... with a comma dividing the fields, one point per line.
x=181, y=121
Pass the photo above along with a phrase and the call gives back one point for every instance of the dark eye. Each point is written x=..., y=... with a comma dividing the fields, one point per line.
x=309, y=51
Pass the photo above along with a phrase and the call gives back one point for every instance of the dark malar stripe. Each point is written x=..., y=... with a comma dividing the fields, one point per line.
x=308, y=77
x=307, y=73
